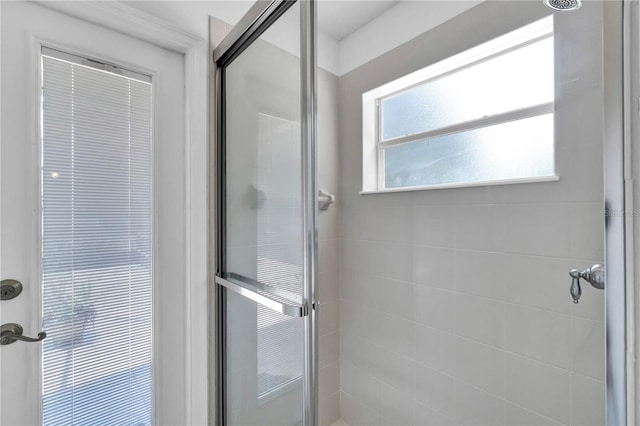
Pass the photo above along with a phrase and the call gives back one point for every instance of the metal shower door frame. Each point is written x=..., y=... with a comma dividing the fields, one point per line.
x=257, y=20
x=620, y=24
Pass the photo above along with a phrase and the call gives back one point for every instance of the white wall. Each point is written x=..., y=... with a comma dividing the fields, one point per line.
x=401, y=23
x=193, y=16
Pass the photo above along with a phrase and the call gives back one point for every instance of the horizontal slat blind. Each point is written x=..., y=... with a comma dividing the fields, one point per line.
x=97, y=246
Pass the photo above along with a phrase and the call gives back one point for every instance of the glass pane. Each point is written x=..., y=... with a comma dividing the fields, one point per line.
x=264, y=217
x=514, y=80
x=264, y=227
x=517, y=149
x=97, y=240
x=264, y=364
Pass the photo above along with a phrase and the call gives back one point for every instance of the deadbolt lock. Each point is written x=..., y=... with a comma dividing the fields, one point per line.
x=10, y=289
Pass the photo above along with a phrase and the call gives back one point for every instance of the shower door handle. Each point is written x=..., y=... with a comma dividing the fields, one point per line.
x=263, y=294
x=594, y=275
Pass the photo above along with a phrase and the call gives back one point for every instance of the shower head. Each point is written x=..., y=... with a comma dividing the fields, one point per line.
x=563, y=5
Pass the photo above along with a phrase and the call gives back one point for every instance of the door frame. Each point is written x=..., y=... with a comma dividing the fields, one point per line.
x=119, y=17
x=226, y=45
x=621, y=74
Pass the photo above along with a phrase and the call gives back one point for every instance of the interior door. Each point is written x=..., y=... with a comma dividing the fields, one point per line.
x=266, y=247
x=86, y=310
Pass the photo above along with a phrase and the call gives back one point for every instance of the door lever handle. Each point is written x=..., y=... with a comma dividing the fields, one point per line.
x=11, y=332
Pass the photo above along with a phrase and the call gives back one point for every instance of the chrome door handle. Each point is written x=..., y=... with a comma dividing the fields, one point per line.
x=593, y=275
x=11, y=332
x=263, y=294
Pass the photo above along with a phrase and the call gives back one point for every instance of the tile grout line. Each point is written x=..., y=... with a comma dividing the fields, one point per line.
x=505, y=351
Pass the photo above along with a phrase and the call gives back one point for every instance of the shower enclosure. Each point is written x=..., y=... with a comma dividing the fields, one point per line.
x=448, y=305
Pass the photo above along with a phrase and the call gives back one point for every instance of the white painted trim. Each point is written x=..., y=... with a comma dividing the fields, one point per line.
x=197, y=189
x=536, y=31
x=35, y=116
x=125, y=19
x=465, y=185
x=465, y=126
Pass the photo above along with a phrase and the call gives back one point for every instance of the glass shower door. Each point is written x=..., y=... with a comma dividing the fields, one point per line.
x=264, y=270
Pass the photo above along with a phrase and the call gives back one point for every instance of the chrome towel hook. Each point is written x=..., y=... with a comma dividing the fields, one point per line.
x=325, y=200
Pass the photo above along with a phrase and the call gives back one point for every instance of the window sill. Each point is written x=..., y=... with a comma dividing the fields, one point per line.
x=540, y=179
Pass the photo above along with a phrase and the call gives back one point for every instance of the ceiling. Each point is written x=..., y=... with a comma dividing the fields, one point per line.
x=340, y=18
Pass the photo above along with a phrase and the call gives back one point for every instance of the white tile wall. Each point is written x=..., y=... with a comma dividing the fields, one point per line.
x=476, y=407
x=587, y=401
x=455, y=306
x=435, y=390
x=480, y=365
x=518, y=416
x=328, y=252
x=434, y=349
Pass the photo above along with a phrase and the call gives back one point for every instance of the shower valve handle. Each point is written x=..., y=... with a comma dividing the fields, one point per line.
x=593, y=275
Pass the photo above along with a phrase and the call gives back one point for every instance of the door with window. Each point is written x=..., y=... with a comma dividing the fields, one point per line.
x=266, y=231
x=92, y=207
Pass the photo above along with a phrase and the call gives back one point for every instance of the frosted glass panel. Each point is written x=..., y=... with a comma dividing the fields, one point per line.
x=279, y=350
x=264, y=222
x=511, y=81
x=264, y=365
x=96, y=246
x=517, y=149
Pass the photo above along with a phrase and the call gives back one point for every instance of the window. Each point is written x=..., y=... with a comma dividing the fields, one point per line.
x=96, y=242
x=484, y=116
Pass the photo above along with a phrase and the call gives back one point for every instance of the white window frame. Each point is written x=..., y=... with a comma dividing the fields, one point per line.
x=373, y=177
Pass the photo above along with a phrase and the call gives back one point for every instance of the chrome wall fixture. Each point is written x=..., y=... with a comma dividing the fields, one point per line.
x=594, y=276
x=325, y=200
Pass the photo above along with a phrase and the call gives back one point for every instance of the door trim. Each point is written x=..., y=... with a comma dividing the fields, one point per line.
x=132, y=22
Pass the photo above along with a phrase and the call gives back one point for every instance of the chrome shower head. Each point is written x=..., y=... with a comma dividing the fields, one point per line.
x=563, y=5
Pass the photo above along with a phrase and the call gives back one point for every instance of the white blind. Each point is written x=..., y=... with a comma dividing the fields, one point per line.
x=97, y=243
